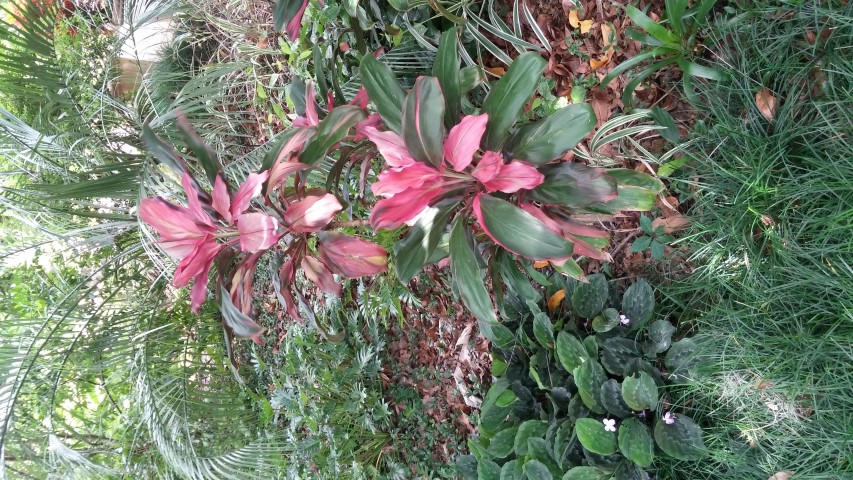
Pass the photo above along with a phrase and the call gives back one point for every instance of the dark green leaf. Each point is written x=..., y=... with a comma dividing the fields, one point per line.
x=594, y=437
x=384, y=91
x=618, y=351
x=519, y=231
x=643, y=21
x=638, y=304
x=586, y=473
x=589, y=298
x=640, y=393
x=636, y=191
x=423, y=117
x=574, y=185
x=570, y=351
x=611, y=398
x=664, y=119
x=657, y=250
x=646, y=224
x=465, y=269
x=641, y=244
x=682, y=439
x=589, y=377
x=162, y=151
x=446, y=68
x=414, y=251
x=543, y=330
x=330, y=131
x=548, y=139
x=536, y=470
x=488, y=470
x=501, y=444
x=636, y=443
x=508, y=97
x=205, y=155
x=608, y=320
x=660, y=338
x=237, y=321
x=527, y=430
x=285, y=11
x=466, y=466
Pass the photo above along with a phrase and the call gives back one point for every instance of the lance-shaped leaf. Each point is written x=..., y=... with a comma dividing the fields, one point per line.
x=519, y=231
x=414, y=251
x=636, y=191
x=330, y=131
x=423, y=114
x=384, y=91
x=237, y=321
x=311, y=213
x=514, y=176
x=574, y=185
x=205, y=155
x=249, y=189
x=288, y=14
x=508, y=97
x=463, y=141
x=465, y=268
x=320, y=275
x=282, y=278
x=258, y=231
x=548, y=139
x=446, y=69
x=390, y=145
x=351, y=257
x=162, y=151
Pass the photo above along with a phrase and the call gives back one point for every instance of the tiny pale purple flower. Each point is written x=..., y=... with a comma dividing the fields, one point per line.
x=609, y=425
x=624, y=320
x=668, y=418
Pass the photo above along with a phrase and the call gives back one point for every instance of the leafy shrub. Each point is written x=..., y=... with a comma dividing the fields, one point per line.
x=574, y=407
x=505, y=175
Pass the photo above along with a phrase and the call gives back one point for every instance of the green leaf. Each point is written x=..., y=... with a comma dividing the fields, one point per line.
x=536, y=470
x=636, y=443
x=611, y=398
x=330, y=131
x=636, y=191
x=630, y=471
x=640, y=392
x=682, y=439
x=500, y=446
x=414, y=251
x=574, y=185
x=506, y=399
x=205, y=155
x=618, y=351
x=570, y=351
x=682, y=358
x=511, y=470
x=586, y=473
x=589, y=298
x=577, y=409
x=423, y=117
x=549, y=138
x=589, y=377
x=637, y=365
x=641, y=244
x=646, y=224
x=594, y=437
x=540, y=449
x=384, y=91
x=660, y=338
x=465, y=269
x=508, y=97
x=543, y=330
x=608, y=320
x=162, y=151
x=488, y=470
x=638, y=304
x=285, y=11
x=664, y=119
x=446, y=68
x=643, y=21
x=591, y=346
x=466, y=466
x=519, y=231
x=526, y=431
x=237, y=321
x=657, y=250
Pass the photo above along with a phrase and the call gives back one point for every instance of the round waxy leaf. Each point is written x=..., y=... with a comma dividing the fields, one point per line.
x=636, y=365
x=589, y=298
x=594, y=437
x=589, y=377
x=611, y=398
x=682, y=439
x=511, y=470
x=660, y=338
x=527, y=430
x=618, y=351
x=586, y=473
x=570, y=351
x=608, y=320
x=577, y=409
x=636, y=443
x=640, y=392
x=488, y=470
x=501, y=444
x=536, y=470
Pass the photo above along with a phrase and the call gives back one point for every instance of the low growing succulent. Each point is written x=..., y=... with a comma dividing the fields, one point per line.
x=574, y=407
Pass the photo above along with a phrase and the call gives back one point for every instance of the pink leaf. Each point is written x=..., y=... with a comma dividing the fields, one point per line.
x=351, y=257
x=390, y=213
x=179, y=232
x=258, y=231
x=197, y=262
x=192, y=198
x=280, y=171
x=390, y=146
x=198, y=294
x=373, y=120
x=513, y=177
x=294, y=26
x=250, y=189
x=464, y=140
x=488, y=167
x=361, y=99
x=559, y=226
x=396, y=180
x=221, y=200
x=542, y=217
x=320, y=275
x=311, y=213
x=311, y=105
x=286, y=276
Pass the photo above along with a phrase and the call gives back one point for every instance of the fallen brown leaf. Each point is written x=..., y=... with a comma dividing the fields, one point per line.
x=671, y=224
x=573, y=18
x=606, y=43
x=540, y=264
x=766, y=103
x=555, y=299
x=497, y=71
x=585, y=25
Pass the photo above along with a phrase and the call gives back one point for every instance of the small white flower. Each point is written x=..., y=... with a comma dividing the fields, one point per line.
x=668, y=418
x=609, y=425
x=624, y=320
